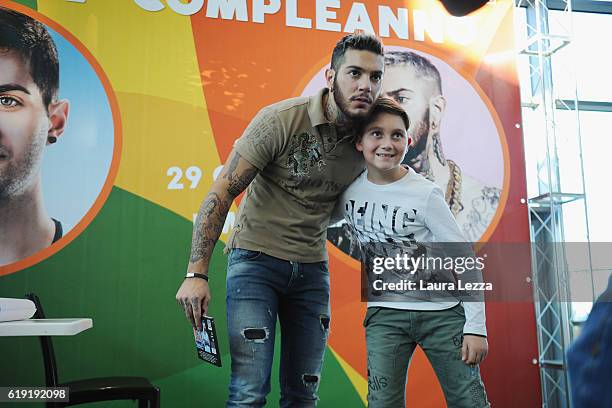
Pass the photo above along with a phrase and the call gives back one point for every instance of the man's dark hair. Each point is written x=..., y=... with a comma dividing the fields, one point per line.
x=422, y=65
x=383, y=105
x=31, y=40
x=357, y=41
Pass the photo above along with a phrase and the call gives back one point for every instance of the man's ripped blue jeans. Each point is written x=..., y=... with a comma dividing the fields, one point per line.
x=261, y=288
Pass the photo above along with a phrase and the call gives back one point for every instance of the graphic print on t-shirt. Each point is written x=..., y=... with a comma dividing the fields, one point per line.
x=304, y=154
x=375, y=221
x=384, y=231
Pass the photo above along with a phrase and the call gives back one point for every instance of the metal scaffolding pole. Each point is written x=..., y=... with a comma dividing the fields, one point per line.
x=551, y=272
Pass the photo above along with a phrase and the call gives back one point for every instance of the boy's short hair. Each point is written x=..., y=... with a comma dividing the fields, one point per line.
x=382, y=105
x=31, y=40
x=358, y=41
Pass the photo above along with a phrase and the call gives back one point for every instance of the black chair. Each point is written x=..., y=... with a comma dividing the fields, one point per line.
x=93, y=389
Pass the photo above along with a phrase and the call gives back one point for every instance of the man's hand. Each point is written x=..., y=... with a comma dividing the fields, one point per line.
x=194, y=296
x=474, y=350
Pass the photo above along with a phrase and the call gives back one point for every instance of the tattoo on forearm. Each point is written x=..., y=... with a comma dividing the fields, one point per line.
x=231, y=171
x=238, y=182
x=209, y=225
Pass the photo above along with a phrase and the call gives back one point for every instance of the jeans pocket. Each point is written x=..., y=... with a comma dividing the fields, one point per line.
x=369, y=314
x=242, y=255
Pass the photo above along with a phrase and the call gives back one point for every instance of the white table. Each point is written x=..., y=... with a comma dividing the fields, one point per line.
x=45, y=327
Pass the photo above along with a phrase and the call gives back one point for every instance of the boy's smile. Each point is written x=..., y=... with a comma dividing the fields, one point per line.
x=385, y=155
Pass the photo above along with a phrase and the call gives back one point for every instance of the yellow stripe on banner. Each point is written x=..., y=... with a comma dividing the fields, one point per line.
x=169, y=152
x=359, y=383
x=150, y=53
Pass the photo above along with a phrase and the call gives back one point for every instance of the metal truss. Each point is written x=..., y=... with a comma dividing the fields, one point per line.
x=550, y=268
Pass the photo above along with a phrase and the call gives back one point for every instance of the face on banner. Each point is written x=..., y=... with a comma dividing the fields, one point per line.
x=26, y=124
x=57, y=143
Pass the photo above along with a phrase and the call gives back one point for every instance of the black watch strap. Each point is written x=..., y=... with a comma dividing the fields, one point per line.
x=197, y=275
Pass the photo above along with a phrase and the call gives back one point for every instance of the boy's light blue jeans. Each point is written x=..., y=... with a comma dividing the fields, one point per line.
x=260, y=288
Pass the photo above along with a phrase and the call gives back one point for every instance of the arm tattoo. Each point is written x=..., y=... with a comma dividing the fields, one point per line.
x=209, y=225
x=238, y=182
x=232, y=167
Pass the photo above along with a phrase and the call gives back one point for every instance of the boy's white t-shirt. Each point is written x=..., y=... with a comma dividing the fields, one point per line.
x=366, y=207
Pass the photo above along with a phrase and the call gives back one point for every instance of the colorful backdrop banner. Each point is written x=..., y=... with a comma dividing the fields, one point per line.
x=159, y=92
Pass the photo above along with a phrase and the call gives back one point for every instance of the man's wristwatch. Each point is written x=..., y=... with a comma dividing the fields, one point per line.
x=197, y=275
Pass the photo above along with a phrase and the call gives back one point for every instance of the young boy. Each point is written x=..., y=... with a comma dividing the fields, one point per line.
x=394, y=211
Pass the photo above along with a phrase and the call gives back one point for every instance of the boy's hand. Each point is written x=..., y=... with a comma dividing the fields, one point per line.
x=474, y=350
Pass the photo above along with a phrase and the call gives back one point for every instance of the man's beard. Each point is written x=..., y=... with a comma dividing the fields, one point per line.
x=345, y=117
x=17, y=177
x=420, y=137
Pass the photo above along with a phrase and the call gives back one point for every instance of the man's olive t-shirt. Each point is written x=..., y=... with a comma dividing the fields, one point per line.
x=303, y=167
